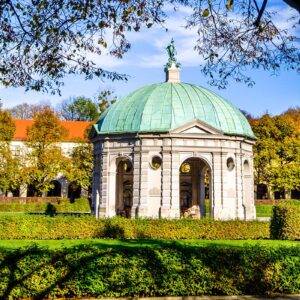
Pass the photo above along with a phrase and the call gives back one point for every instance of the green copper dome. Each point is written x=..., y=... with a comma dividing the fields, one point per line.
x=165, y=106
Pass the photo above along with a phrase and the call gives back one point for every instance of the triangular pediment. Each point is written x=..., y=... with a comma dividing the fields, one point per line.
x=196, y=127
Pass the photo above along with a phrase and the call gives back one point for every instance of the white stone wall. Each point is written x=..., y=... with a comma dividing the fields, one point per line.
x=156, y=192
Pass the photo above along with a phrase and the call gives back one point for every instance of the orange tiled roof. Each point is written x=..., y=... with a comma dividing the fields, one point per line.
x=75, y=129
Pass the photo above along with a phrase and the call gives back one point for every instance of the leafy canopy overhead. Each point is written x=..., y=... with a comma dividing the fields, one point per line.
x=42, y=41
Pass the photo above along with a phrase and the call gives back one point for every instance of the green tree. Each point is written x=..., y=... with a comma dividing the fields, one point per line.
x=79, y=109
x=42, y=41
x=9, y=165
x=285, y=168
x=45, y=159
x=277, y=153
x=10, y=170
x=294, y=114
x=7, y=126
x=80, y=168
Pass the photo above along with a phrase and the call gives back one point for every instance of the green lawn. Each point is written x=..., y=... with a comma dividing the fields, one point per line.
x=113, y=243
x=261, y=210
x=264, y=210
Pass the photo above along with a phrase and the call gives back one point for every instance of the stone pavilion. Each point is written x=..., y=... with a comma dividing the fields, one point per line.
x=165, y=148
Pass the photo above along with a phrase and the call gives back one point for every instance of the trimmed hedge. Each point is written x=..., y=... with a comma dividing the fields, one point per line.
x=30, y=199
x=83, y=227
x=62, y=205
x=285, y=221
x=88, y=271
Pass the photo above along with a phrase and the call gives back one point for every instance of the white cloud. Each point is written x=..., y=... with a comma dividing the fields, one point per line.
x=285, y=19
x=148, y=46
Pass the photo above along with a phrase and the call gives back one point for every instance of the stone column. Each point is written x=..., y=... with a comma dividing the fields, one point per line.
x=103, y=195
x=175, y=185
x=240, y=211
x=140, y=181
x=217, y=201
x=136, y=180
x=195, y=183
x=96, y=182
x=111, y=187
x=144, y=167
x=23, y=190
x=165, y=208
x=250, y=210
x=202, y=193
x=64, y=187
x=166, y=179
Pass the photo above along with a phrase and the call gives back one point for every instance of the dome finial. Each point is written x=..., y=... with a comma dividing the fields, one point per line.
x=172, y=67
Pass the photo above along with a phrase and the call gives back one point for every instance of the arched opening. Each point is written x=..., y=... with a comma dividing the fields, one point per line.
x=32, y=191
x=279, y=194
x=295, y=194
x=262, y=191
x=74, y=191
x=16, y=192
x=195, y=188
x=56, y=190
x=124, y=192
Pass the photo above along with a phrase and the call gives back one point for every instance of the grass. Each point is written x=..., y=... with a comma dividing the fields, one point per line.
x=264, y=210
x=82, y=205
x=261, y=210
x=79, y=205
x=114, y=243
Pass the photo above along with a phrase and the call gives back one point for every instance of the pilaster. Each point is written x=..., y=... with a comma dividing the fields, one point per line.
x=240, y=213
x=136, y=182
x=142, y=210
x=217, y=203
x=175, y=185
x=166, y=179
x=103, y=194
x=202, y=193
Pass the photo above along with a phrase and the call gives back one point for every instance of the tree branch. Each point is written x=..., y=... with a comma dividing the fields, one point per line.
x=260, y=13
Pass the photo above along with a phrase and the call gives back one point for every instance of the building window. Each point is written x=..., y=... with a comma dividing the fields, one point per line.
x=230, y=164
x=156, y=162
x=185, y=168
x=16, y=151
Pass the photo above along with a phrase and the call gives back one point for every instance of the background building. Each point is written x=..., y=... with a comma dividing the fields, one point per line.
x=75, y=134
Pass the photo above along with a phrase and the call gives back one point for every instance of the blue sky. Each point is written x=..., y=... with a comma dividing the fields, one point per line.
x=144, y=64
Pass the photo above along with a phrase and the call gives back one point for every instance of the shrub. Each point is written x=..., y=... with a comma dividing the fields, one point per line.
x=62, y=205
x=78, y=227
x=285, y=221
x=89, y=271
